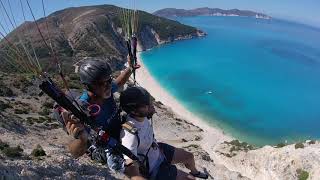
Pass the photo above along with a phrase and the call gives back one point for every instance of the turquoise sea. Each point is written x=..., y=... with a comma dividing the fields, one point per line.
x=258, y=80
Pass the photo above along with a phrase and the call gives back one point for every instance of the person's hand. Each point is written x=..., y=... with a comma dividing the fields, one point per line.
x=136, y=66
x=74, y=127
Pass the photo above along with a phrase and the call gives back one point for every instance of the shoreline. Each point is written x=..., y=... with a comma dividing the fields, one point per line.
x=220, y=160
x=212, y=136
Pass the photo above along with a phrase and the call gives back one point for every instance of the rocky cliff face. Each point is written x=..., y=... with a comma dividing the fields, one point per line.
x=95, y=31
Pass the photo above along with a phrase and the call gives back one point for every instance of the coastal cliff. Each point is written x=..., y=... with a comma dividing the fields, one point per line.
x=94, y=31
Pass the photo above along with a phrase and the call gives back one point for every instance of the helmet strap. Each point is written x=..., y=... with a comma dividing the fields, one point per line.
x=89, y=88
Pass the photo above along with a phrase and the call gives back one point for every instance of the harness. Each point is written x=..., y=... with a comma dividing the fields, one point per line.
x=103, y=147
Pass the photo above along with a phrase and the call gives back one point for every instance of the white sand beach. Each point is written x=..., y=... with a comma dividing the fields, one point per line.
x=212, y=136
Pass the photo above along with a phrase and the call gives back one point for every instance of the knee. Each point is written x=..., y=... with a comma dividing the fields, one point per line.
x=189, y=155
x=181, y=155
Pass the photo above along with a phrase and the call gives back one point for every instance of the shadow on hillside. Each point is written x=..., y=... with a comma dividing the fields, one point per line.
x=12, y=125
x=69, y=170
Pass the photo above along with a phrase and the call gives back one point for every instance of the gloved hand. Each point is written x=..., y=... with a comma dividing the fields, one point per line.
x=115, y=161
x=97, y=154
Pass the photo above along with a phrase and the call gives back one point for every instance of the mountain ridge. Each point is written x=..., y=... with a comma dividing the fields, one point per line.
x=94, y=31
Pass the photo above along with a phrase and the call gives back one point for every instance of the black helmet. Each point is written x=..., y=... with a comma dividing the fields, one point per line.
x=134, y=97
x=93, y=70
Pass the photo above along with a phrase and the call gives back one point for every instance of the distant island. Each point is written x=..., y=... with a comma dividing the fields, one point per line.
x=172, y=12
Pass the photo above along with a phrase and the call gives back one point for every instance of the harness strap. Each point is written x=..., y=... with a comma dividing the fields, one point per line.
x=128, y=126
x=145, y=170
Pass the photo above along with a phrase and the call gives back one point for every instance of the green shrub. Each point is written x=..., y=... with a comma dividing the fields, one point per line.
x=42, y=119
x=74, y=81
x=234, y=148
x=229, y=155
x=13, y=151
x=21, y=111
x=5, y=91
x=22, y=82
x=192, y=146
x=3, y=145
x=38, y=151
x=55, y=125
x=237, y=145
x=74, y=77
x=22, y=104
x=4, y=106
x=302, y=175
x=75, y=85
x=299, y=145
x=312, y=142
x=280, y=145
x=45, y=112
x=48, y=104
x=31, y=120
x=48, y=119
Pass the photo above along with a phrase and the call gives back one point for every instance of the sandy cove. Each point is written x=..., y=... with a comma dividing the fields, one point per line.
x=230, y=160
x=212, y=136
x=257, y=163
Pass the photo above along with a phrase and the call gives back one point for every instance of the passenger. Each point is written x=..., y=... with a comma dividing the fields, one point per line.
x=156, y=159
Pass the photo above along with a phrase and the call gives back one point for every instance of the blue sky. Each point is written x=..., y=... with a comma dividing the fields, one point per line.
x=304, y=11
